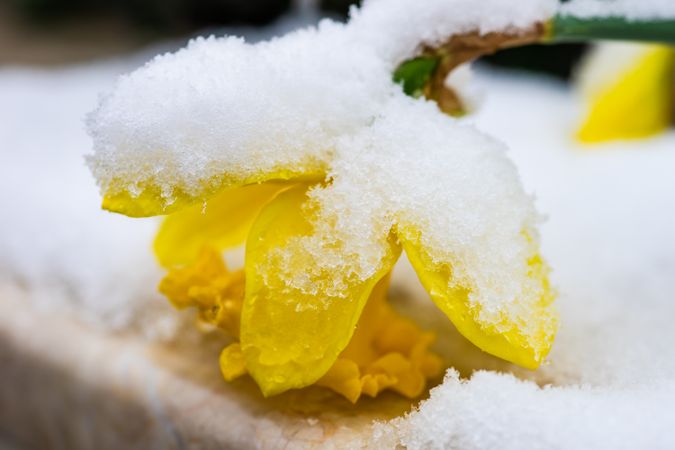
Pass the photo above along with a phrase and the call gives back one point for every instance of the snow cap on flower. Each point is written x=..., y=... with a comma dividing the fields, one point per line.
x=221, y=111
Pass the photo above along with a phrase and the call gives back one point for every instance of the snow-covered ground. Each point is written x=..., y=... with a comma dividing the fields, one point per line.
x=610, y=238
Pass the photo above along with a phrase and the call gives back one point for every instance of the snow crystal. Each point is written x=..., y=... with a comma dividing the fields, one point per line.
x=631, y=9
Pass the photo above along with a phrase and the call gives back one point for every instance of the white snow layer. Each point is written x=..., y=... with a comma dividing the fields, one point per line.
x=226, y=107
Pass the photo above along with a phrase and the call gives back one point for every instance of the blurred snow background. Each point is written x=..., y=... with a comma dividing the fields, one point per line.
x=610, y=238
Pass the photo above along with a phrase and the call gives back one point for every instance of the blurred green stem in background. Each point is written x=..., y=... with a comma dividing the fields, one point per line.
x=570, y=28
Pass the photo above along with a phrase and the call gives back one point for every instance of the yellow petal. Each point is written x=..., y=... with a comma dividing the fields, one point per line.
x=638, y=104
x=373, y=384
x=289, y=337
x=221, y=222
x=151, y=200
x=210, y=287
x=387, y=351
x=399, y=373
x=232, y=363
x=508, y=342
x=344, y=377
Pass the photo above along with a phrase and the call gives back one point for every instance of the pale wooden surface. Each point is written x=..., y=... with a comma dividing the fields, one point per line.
x=66, y=386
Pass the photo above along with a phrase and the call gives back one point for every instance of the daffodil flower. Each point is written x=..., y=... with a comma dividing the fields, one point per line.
x=304, y=150
x=312, y=308
x=630, y=91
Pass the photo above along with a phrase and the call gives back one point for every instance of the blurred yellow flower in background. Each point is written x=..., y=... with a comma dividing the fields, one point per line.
x=629, y=89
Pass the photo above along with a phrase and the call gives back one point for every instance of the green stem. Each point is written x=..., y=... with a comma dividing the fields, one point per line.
x=570, y=28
